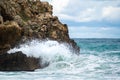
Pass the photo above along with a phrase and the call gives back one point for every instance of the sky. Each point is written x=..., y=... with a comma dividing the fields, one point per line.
x=89, y=18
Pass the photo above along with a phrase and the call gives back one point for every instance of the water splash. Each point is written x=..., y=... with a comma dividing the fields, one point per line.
x=48, y=50
x=91, y=64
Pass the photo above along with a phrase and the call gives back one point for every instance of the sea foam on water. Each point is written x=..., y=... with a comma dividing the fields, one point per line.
x=47, y=50
x=95, y=62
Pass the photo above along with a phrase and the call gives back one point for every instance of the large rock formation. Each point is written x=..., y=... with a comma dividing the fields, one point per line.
x=22, y=20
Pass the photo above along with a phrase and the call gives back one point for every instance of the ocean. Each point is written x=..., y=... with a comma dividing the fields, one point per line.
x=99, y=59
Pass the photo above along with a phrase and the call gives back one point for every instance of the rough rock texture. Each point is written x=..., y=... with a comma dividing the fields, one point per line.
x=18, y=62
x=22, y=20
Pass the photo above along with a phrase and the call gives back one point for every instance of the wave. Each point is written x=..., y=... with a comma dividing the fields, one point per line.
x=90, y=64
x=47, y=50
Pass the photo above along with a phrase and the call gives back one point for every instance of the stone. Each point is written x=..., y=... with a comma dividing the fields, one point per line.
x=1, y=20
x=18, y=62
x=10, y=32
x=23, y=20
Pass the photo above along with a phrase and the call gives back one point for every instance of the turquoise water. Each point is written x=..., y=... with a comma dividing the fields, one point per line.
x=99, y=59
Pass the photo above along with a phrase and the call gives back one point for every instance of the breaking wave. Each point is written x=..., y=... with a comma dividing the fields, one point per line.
x=47, y=50
x=95, y=62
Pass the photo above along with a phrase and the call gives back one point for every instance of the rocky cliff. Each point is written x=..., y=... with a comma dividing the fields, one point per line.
x=22, y=20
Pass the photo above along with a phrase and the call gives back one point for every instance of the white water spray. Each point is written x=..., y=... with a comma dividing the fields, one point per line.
x=48, y=50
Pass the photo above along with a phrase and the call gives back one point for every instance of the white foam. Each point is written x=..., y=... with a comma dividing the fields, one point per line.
x=48, y=50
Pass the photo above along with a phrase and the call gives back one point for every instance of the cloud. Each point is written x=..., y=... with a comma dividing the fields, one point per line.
x=89, y=18
x=59, y=5
x=93, y=32
x=111, y=13
x=86, y=11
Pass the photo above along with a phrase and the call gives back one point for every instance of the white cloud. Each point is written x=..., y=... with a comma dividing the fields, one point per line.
x=59, y=5
x=86, y=11
x=89, y=14
x=93, y=32
x=107, y=11
x=111, y=13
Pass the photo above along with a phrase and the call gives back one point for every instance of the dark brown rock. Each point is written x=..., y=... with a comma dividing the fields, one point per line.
x=10, y=33
x=18, y=62
x=22, y=20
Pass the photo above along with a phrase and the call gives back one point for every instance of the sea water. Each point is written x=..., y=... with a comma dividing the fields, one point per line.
x=99, y=59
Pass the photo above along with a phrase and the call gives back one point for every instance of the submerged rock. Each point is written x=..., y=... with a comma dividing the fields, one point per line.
x=22, y=20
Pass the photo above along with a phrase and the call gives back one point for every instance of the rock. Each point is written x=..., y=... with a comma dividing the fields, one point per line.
x=18, y=62
x=10, y=33
x=22, y=20
x=1, y=19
